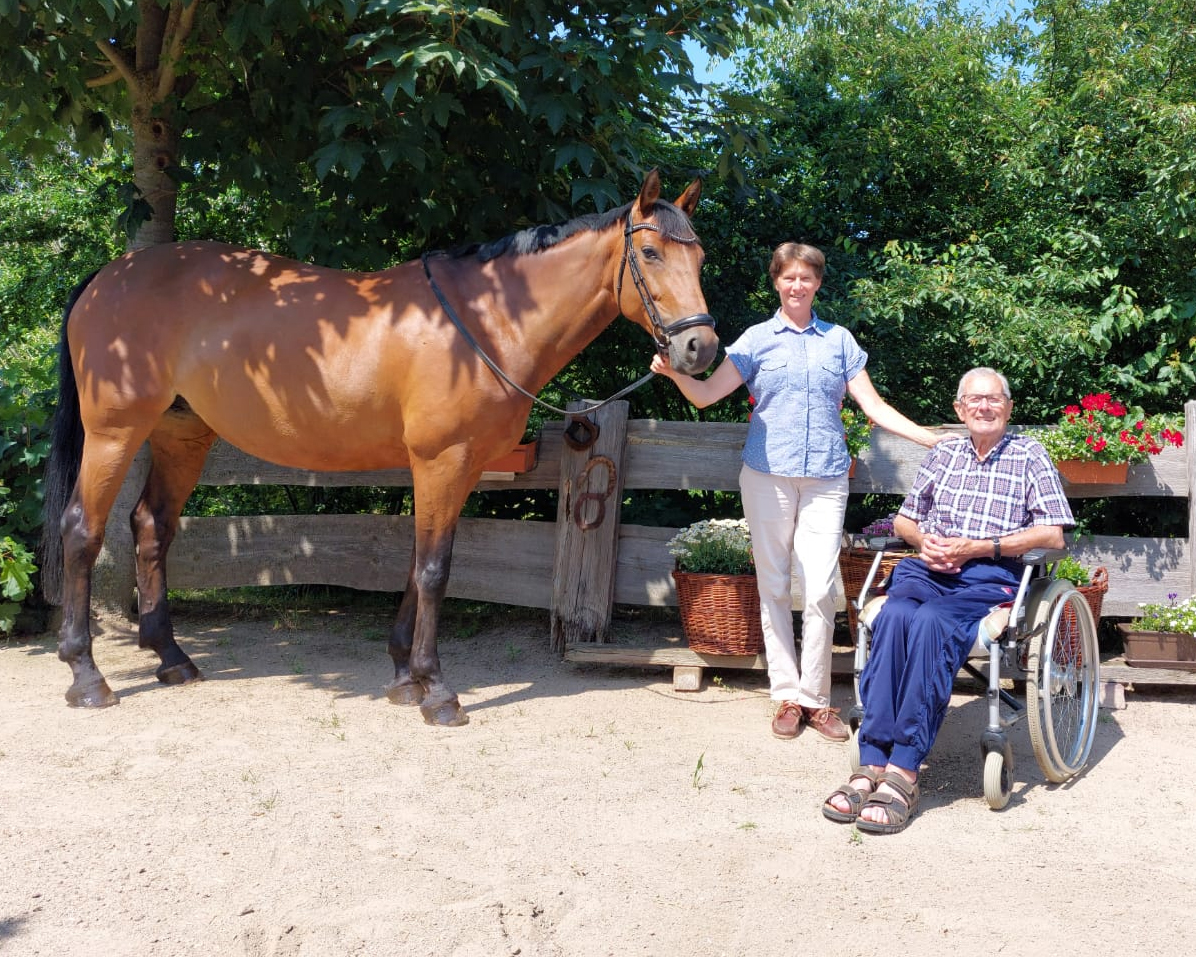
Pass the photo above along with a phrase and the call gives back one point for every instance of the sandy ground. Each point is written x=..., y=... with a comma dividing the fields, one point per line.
x=283, y=807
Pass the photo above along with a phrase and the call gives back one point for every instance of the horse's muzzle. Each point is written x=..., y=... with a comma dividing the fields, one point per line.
x=690, y=343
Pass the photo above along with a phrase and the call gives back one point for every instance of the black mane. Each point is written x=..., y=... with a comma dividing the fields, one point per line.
x=672, y=222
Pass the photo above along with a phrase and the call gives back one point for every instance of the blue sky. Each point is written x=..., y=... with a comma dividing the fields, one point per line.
x=719, y=71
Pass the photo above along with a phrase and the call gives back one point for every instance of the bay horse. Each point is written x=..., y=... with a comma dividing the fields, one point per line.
x=329, y=370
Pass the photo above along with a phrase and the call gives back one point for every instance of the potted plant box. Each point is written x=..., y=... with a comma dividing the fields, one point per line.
x=1158, y=649
x=522, y=458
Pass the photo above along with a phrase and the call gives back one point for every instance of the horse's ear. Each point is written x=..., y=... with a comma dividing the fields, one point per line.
x=649, y=193
x=687, y=202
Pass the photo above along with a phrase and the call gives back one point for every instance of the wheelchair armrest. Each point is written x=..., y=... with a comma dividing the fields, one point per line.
x=886, y=544
x=1043, y=556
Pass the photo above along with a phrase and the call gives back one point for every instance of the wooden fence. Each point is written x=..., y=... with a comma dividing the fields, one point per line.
x=577, y=566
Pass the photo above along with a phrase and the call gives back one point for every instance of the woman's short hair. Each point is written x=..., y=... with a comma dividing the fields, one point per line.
x=788, y=253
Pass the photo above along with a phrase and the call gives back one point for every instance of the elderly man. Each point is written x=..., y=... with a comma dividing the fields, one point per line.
x=978, y=502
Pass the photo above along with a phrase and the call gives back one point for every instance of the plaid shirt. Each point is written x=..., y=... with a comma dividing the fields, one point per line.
x=959, y=496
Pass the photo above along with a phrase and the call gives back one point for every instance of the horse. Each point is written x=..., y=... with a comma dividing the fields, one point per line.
x=430, y=365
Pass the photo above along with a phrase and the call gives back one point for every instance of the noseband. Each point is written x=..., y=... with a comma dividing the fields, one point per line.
x=660, y=332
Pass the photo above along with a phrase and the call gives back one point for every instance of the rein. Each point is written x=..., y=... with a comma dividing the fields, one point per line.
x=660, y=332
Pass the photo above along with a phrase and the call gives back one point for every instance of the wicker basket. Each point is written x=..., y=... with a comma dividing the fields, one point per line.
x=854, y=564
x=720, y=614
x=1094, y=591
x=1068, y=641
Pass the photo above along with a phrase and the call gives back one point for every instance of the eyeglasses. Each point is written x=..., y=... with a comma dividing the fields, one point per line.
x=975, y=401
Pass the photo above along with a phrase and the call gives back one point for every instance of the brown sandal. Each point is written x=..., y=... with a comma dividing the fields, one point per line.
x=855, y=797
x=899, y=808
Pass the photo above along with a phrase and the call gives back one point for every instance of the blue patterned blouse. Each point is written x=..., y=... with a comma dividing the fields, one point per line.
x=798, y=380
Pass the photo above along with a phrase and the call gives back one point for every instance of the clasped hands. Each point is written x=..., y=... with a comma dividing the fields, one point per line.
x=943, y=554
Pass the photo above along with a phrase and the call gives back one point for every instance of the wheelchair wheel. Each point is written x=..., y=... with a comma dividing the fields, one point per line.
x=998, y=778
x=1062, y=684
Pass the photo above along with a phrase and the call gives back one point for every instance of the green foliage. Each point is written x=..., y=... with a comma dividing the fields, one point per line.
x=52, y=235
x=368, y=125
x=16, y=581
x=857, y=429
x=989, y=191
x=1070, y=569
x=24, y=443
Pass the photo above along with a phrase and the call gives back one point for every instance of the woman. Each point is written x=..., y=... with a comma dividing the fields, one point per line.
x=794, y=476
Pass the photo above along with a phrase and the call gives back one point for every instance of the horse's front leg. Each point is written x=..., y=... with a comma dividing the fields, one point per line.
x=440, y=704
x=405, y=689
x=418, y=678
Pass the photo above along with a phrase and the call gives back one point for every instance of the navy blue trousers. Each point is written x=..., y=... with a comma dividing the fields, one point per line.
x=920, y=640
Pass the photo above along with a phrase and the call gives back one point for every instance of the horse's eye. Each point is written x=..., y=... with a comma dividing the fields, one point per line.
x=650, y=252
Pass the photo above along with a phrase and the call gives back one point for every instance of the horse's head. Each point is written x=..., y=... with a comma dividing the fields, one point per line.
x=658, y=284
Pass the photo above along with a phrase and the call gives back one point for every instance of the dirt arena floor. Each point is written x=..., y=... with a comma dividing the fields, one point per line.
x=284, y=807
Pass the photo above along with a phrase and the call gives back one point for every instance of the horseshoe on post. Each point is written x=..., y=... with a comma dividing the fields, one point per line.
x=581, y=433
x=583, y=477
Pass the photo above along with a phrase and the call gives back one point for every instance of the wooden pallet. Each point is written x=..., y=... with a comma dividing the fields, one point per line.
x=688, y=665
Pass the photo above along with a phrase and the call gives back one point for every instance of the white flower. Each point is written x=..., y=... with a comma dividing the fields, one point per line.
x=718, y=546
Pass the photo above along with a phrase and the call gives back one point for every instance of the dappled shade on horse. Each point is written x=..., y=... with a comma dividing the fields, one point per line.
x=315, y=368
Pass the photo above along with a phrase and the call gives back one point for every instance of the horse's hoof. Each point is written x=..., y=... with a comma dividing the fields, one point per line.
x=405, y=692
x=96, y=696
x=448, y=715
x=181, y=674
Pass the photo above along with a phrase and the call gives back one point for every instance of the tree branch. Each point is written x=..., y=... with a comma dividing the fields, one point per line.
x=122, y=69
x=179, y=25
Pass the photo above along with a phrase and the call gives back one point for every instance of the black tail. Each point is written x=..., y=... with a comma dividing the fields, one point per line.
x=62, y=465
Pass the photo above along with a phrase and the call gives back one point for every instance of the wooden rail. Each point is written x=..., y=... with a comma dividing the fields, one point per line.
x=531, y=563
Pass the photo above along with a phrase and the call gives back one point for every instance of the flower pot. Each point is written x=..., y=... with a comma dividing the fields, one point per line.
x=851, y=470
x=1158, y=649
x=1078, y=472
x=522, y=458
x=720, y=614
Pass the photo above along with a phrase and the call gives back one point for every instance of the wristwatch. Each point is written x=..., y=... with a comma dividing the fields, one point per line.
x=996, y=548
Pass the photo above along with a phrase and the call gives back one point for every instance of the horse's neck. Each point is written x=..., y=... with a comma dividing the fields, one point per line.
x=565, y=299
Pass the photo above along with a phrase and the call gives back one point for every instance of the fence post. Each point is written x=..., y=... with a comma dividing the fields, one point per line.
x=114, y=578
x=587, y=530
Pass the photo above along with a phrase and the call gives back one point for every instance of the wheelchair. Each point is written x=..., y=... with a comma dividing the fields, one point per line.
x=1045, y=639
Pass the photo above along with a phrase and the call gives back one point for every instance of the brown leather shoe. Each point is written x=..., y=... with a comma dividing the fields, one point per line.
x=826, y=722
x=787, y=721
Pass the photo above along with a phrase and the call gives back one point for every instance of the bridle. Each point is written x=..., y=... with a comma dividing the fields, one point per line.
x=660, y=332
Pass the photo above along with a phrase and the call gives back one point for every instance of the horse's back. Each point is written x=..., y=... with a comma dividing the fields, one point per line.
x=273, y=354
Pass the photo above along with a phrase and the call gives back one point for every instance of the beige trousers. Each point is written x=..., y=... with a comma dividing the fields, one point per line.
x=797, y=528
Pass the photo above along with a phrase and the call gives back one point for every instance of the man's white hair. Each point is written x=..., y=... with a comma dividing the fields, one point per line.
x=982, y=370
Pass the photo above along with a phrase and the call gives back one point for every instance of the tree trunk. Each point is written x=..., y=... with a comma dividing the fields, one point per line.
x=160, y=34
x=155, y=150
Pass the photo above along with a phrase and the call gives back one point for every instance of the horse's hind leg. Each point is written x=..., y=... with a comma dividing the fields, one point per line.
x=405, y=689
x=103, y=466
x=179, y=445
